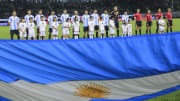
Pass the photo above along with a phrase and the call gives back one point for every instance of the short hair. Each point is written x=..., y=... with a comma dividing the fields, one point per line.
x=67, y=19
x=42, y=16
x=30, y=18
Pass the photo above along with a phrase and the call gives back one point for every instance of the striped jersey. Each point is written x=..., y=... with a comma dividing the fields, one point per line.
x=13, y=20
x=64, y=18
x=27, y=18
x=38, y=19
x=95, y=18
x=85, y=20
x=105, y=19
x=50, y=20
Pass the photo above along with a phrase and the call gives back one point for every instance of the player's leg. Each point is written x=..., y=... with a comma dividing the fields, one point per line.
x=12, y=34
x=37, y=37
x=107, y=29
x=97, y=29
x=140, y=26
x=168, y=26
x=171, y=26
x=27, y=32
x=17, y=34
x=157, y=27
x=147, y=27
x=50, y=32
x=136, y=27
x=117, y=29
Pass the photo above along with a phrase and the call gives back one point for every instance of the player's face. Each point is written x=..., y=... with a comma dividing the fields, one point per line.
x=29, y=12
x=149, y=11
x=42, y=18
x=65, y=11
x=159, y=10
x=125, y=13
x=23, y=20
x=40, y=12
x=91, y=19
x=31, y=20
x=86, y=12
x=105, y=12
x=138, y=10
x=115, y=8
x=95, y=11
x=52, y=13
x=76, y=12
x=169, y=9
x=14, y=13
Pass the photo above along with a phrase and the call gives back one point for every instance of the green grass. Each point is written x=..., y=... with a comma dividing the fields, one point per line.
x=4, y=30
x=175, y=96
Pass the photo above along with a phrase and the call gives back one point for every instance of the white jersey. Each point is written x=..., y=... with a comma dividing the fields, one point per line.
x=50, y=20
x=112, y=27
x=91, y=27
x=73, y=18
x=64, y=17
x=129, y=29
x=55, y=26
x=31, y=29
x=27, y=18
x=85, y=20
x=23, y=26
x=124, y=29
x=38, y=19
x=101, y=27
x=95, y=18
x=42, y=26
x=13, y=20
x=161, y=25
x=76, y=26
x=105, y=19
x=125, y=18
x=66, y=30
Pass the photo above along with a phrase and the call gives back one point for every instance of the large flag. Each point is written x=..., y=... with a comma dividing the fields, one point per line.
x=113, y=69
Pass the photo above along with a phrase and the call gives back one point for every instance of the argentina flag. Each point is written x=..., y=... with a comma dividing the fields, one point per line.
x=133, y=68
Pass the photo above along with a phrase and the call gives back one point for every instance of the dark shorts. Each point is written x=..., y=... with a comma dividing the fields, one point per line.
x=96, y=27
x=149, y=23
x=27, y=31
x=86, y=29
x=12, y=32
x=117, y=25
x=37, y=30
x=50, y=30
x=139, y=23
x=107, y=28
x=169, y=23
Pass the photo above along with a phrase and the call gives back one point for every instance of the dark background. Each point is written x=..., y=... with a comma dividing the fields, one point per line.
x=6, y=6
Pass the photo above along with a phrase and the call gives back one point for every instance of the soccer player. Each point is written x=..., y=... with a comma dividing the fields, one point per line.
x=31, y=29
x=161, y=23
x=42, y=28
x=96, y=21
x=29, y=15
x=22, y=29
x=112, y=27
x=38, y=19
x=66, y=29
x=125, y=19
x=85, y=20
x=158, y=15
x=75, y=15
x=76, y=28
x=138, y=19
x=102, y=27
x=13, y=22
x=64, y=18
x=50, y=20
x=148, y=22
x=169, y=20
x=91, y=27
x=55, y=26
x=115, y=13
x=105, y=17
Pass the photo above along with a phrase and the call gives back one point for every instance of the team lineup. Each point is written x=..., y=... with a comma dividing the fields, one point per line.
x=105, y=24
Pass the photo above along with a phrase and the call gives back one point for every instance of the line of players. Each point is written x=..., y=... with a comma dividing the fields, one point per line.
x=91, y=23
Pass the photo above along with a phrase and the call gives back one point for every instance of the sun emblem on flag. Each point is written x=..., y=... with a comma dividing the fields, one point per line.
x=92, y=90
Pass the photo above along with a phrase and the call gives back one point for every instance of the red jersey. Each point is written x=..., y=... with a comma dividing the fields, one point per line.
x=138, y=16
x=169, y=16
x=148, y=17
x=158, y=15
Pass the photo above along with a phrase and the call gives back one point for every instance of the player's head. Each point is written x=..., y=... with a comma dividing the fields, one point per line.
x=105, y=11
x=65, y=11
x=138, y=10
x=112, y=18
x=14, y=13
x=67, y=20
x=52, y=13
x=149, y=11
x=115, y=8
x=161, y=17
x=54, y=19
x=76, y=12
x=31, y=19
x=23, y=20
x=76, y=18
x=169, y=9
x=40, y=12
x=86, y=12
x=101, y=18
x=29, y=12
x=91, y=18
x=42, y=18
x=125, y=12
x=159, y=10
x=117, y=12
x=95, y=11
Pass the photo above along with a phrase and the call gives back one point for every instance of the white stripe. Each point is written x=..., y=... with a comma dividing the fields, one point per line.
x=120, y=89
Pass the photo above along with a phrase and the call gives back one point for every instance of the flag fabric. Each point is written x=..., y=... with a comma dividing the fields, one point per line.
x=110, y=69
